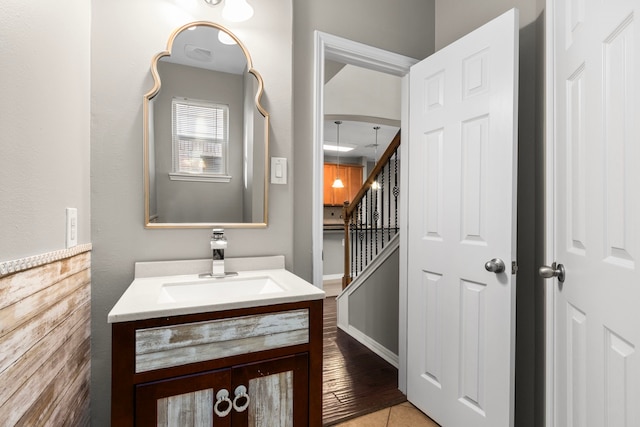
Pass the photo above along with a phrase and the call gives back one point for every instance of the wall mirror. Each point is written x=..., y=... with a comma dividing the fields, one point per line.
x=205, y=134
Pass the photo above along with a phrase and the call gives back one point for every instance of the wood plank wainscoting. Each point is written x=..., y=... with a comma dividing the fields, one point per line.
x=45, y=330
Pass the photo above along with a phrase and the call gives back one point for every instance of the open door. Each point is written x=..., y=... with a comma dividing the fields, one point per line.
x=593, y=213
x=462, y=228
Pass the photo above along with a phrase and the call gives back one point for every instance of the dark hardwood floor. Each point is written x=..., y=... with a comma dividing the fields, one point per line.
x=356, y=381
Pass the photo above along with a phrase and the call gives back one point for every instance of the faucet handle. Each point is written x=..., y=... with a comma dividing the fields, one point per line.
x=218, y=239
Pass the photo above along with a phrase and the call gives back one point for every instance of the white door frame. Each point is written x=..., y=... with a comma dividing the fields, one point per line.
x=549, y=224
x=328, y=46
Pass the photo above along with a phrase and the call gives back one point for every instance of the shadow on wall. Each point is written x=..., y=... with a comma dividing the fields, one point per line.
x=529, y=387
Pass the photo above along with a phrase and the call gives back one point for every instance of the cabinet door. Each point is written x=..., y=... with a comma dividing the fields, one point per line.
x=336, y=196
x=277, y=393
x=351, y=176
x=186, y=401
x=355, y=181
x=340, y=195
x=329, y=191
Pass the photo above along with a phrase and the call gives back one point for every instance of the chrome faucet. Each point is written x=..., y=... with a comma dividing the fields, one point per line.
x=218, y=245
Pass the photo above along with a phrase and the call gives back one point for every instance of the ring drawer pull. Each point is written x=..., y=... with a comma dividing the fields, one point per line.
x=223, y=397
x=241, y=392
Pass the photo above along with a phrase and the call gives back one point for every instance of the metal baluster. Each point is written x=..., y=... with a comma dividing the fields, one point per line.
x=375, y=222
x=370, y=228
x=361, y=238
x=382, y=206
x=367, y=216
x=369, y=225
x=396, y=189
x=357, y=241
x=389, y=201
x=352, y=245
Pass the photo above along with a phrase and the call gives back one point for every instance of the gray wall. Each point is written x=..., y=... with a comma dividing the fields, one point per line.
x=125, y=36
x=374, y=306
x=332, y=253
x=44, y=117
x=456, y=18
x=405, y=27
x=453, y=20
x=206, y=201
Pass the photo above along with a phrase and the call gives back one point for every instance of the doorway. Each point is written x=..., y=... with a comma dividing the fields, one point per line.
x=330, y=47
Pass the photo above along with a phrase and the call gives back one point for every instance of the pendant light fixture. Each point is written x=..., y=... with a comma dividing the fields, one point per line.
x=374, y=184
x=338, y=182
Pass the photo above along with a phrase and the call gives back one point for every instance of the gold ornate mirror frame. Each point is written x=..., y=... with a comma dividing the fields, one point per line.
x=148, y=223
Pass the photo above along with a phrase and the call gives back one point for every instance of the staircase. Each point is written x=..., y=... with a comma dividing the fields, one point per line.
x=371, y=219
x=368, y=304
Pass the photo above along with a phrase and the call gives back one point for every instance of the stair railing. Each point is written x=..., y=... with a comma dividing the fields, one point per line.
x=371, y=218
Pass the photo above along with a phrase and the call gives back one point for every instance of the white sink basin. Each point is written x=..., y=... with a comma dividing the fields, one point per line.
x=173, y=288
x=218, y=290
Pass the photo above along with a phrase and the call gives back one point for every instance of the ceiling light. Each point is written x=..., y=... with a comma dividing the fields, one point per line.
x=225, y=38
x=342, y=149
x=234, y=10
x=237, y=10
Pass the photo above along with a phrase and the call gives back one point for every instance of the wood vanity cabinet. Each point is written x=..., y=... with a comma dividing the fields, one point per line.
x=258, y=366
x=351, y=176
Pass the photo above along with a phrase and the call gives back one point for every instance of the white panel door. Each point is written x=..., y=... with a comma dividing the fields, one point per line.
x=595, y=100
x=462, y=213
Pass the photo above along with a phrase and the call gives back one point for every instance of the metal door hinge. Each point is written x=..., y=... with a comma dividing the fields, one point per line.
x=514, y=267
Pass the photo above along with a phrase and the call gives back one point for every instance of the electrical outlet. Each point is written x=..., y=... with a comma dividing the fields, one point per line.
x=72, y=227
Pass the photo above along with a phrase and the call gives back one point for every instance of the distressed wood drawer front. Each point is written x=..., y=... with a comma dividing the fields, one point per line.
x=169, y=346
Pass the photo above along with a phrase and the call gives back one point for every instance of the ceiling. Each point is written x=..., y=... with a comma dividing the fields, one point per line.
x=201, y=48
x=360, y=135
x=361, y=98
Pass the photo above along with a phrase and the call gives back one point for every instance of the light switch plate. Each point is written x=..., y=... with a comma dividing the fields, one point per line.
x=278, y=170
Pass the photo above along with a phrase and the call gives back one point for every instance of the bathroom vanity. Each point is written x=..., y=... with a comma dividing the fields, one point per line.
x=241, y=351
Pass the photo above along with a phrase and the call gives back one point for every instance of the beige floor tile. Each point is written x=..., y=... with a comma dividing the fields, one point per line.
x=375, y=419
x=407, y=415
x=407, y=404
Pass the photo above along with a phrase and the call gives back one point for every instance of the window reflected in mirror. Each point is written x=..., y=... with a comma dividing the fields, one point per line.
x=200, y=140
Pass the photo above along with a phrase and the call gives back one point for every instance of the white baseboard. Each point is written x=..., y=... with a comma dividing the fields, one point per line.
x=342, y=305
x=372, y=345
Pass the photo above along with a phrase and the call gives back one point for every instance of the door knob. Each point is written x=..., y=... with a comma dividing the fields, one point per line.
x=496, y=265
x=556, y=270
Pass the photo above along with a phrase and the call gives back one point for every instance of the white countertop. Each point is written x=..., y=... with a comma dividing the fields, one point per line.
x=143, y=298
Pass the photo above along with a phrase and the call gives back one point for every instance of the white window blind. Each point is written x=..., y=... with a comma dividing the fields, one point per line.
x=200, y=137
